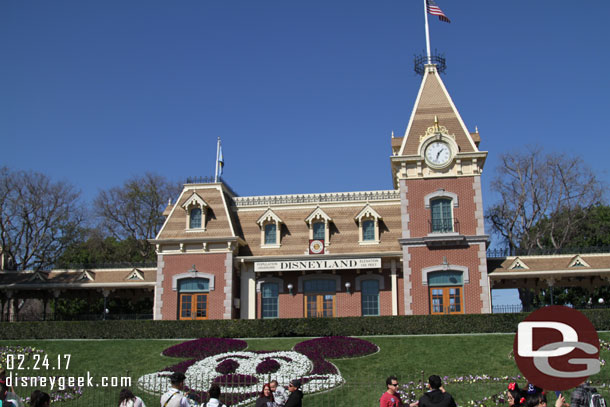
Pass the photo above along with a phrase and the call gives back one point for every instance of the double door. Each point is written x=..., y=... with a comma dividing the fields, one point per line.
x=193, y=306
x=320, y=305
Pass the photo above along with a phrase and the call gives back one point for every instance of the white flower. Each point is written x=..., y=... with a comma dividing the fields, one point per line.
x=202, y=373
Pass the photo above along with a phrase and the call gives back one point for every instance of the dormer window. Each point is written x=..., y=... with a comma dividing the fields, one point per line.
x=319, y=226
x=271, y=227
x=319, y=230
x=195, y=218
x=270, y=233
x=368, y=225
x=195, y=208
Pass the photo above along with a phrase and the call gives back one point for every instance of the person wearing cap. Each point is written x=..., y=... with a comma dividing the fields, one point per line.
x=436, y=396
x=296, y=395
x=175, y=397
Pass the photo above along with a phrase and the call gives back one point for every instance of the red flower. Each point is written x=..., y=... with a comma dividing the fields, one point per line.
x=522, y=400
x=511, y=386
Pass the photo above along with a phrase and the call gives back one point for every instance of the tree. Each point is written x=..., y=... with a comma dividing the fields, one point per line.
x=135, y=210
x=543, y=197
x=97, y=250
x=39, y=218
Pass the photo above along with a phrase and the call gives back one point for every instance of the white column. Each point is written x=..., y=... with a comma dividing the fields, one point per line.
x=394, y=288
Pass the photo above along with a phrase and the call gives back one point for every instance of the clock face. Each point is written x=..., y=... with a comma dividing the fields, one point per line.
x=438, y=153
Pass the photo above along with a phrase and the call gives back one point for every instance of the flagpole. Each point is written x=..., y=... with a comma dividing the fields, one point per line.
x=217, y=157
x=427, y=32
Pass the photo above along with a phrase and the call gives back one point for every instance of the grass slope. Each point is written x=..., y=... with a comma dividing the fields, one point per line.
x=410, y=358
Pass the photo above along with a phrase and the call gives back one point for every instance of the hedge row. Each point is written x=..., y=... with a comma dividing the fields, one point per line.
x=356, y=326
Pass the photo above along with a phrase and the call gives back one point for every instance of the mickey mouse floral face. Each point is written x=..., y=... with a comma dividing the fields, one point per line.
x=240, y=374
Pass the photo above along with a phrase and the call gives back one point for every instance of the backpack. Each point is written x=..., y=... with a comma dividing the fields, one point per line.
x=593, y=398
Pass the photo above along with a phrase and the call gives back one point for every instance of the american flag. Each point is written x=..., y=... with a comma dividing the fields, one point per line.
x=435, y=10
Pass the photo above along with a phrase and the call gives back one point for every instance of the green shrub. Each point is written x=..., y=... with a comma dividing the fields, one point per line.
x=239, y=328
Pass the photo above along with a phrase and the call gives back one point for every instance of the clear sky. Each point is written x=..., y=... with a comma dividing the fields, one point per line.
x=304, y=94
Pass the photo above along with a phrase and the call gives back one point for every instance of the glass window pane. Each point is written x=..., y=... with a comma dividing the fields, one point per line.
x=193, y=285
x=370, y=297
x=318, y=230
x=269, y=303
x=441, y=215
x=195, y=218
x=368, y=230
x=319, y=285
x=270, y=233
x=202, y=306
x=445, y=278
x=185, y=306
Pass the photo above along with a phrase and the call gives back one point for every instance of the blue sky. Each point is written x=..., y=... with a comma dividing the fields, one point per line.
x=303, y=94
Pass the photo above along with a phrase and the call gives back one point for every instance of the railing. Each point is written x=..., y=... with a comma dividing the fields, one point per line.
x=243, y=201
x=443, y=226
x=500, y=253
x=516, y=308
x=210, y=180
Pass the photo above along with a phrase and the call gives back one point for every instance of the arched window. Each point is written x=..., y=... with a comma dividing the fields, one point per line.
x=370, y=297
x=193, y=298
x=269, y=304
x=441, y=219
x=446, y=292
x=195, y=218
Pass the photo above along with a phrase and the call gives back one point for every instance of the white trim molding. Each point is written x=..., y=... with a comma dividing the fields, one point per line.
x=445, y=267
x=193, y=274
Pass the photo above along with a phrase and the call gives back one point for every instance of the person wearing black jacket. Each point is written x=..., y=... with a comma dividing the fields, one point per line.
x=296, y=395
x=436, y=396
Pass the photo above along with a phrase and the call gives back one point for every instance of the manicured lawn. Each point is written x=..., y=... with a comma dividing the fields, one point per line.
x=409, y=358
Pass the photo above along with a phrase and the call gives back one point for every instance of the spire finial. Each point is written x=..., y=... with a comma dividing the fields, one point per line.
x=436, y=122
x=392, y=133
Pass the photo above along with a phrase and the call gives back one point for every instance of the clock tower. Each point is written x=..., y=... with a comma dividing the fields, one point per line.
x=437, y=168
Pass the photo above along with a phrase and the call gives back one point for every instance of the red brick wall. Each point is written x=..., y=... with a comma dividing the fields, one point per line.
x=419, y=215
x=422, y=257
x=204, y=263
x=346, y=305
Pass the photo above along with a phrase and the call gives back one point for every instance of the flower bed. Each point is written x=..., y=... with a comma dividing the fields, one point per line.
x=334, y=347
x=227, y=366
x=240, y=373
x=204, y=347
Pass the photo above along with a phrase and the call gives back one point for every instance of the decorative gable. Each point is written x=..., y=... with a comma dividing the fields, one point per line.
x=367, y=212
x=38, y=276
x=268, y=216
x=194, y=200
x=518, y=264
x=135, y=275
x=577, y=262
x=317, y=215
x=86, y=275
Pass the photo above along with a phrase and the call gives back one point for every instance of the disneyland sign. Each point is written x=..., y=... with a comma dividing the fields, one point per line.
x=334, y=264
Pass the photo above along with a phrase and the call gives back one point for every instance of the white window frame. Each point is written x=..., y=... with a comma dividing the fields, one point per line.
x=195, y=201
x=319, y=216
x=368, y=213
x=266, y=218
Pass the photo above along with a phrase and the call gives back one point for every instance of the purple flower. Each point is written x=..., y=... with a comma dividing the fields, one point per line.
x=268, y=366
x=227, y=366
x=204, y=347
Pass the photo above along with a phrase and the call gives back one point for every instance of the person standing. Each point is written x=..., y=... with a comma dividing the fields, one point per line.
x=436, y=396
x=390, y=398
x=280, y=395
x=175, y=397
x=266, y=397
x=214, y=400
x=296, y=395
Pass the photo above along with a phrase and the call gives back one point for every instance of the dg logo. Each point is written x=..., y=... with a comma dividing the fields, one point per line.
x=557, y=348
